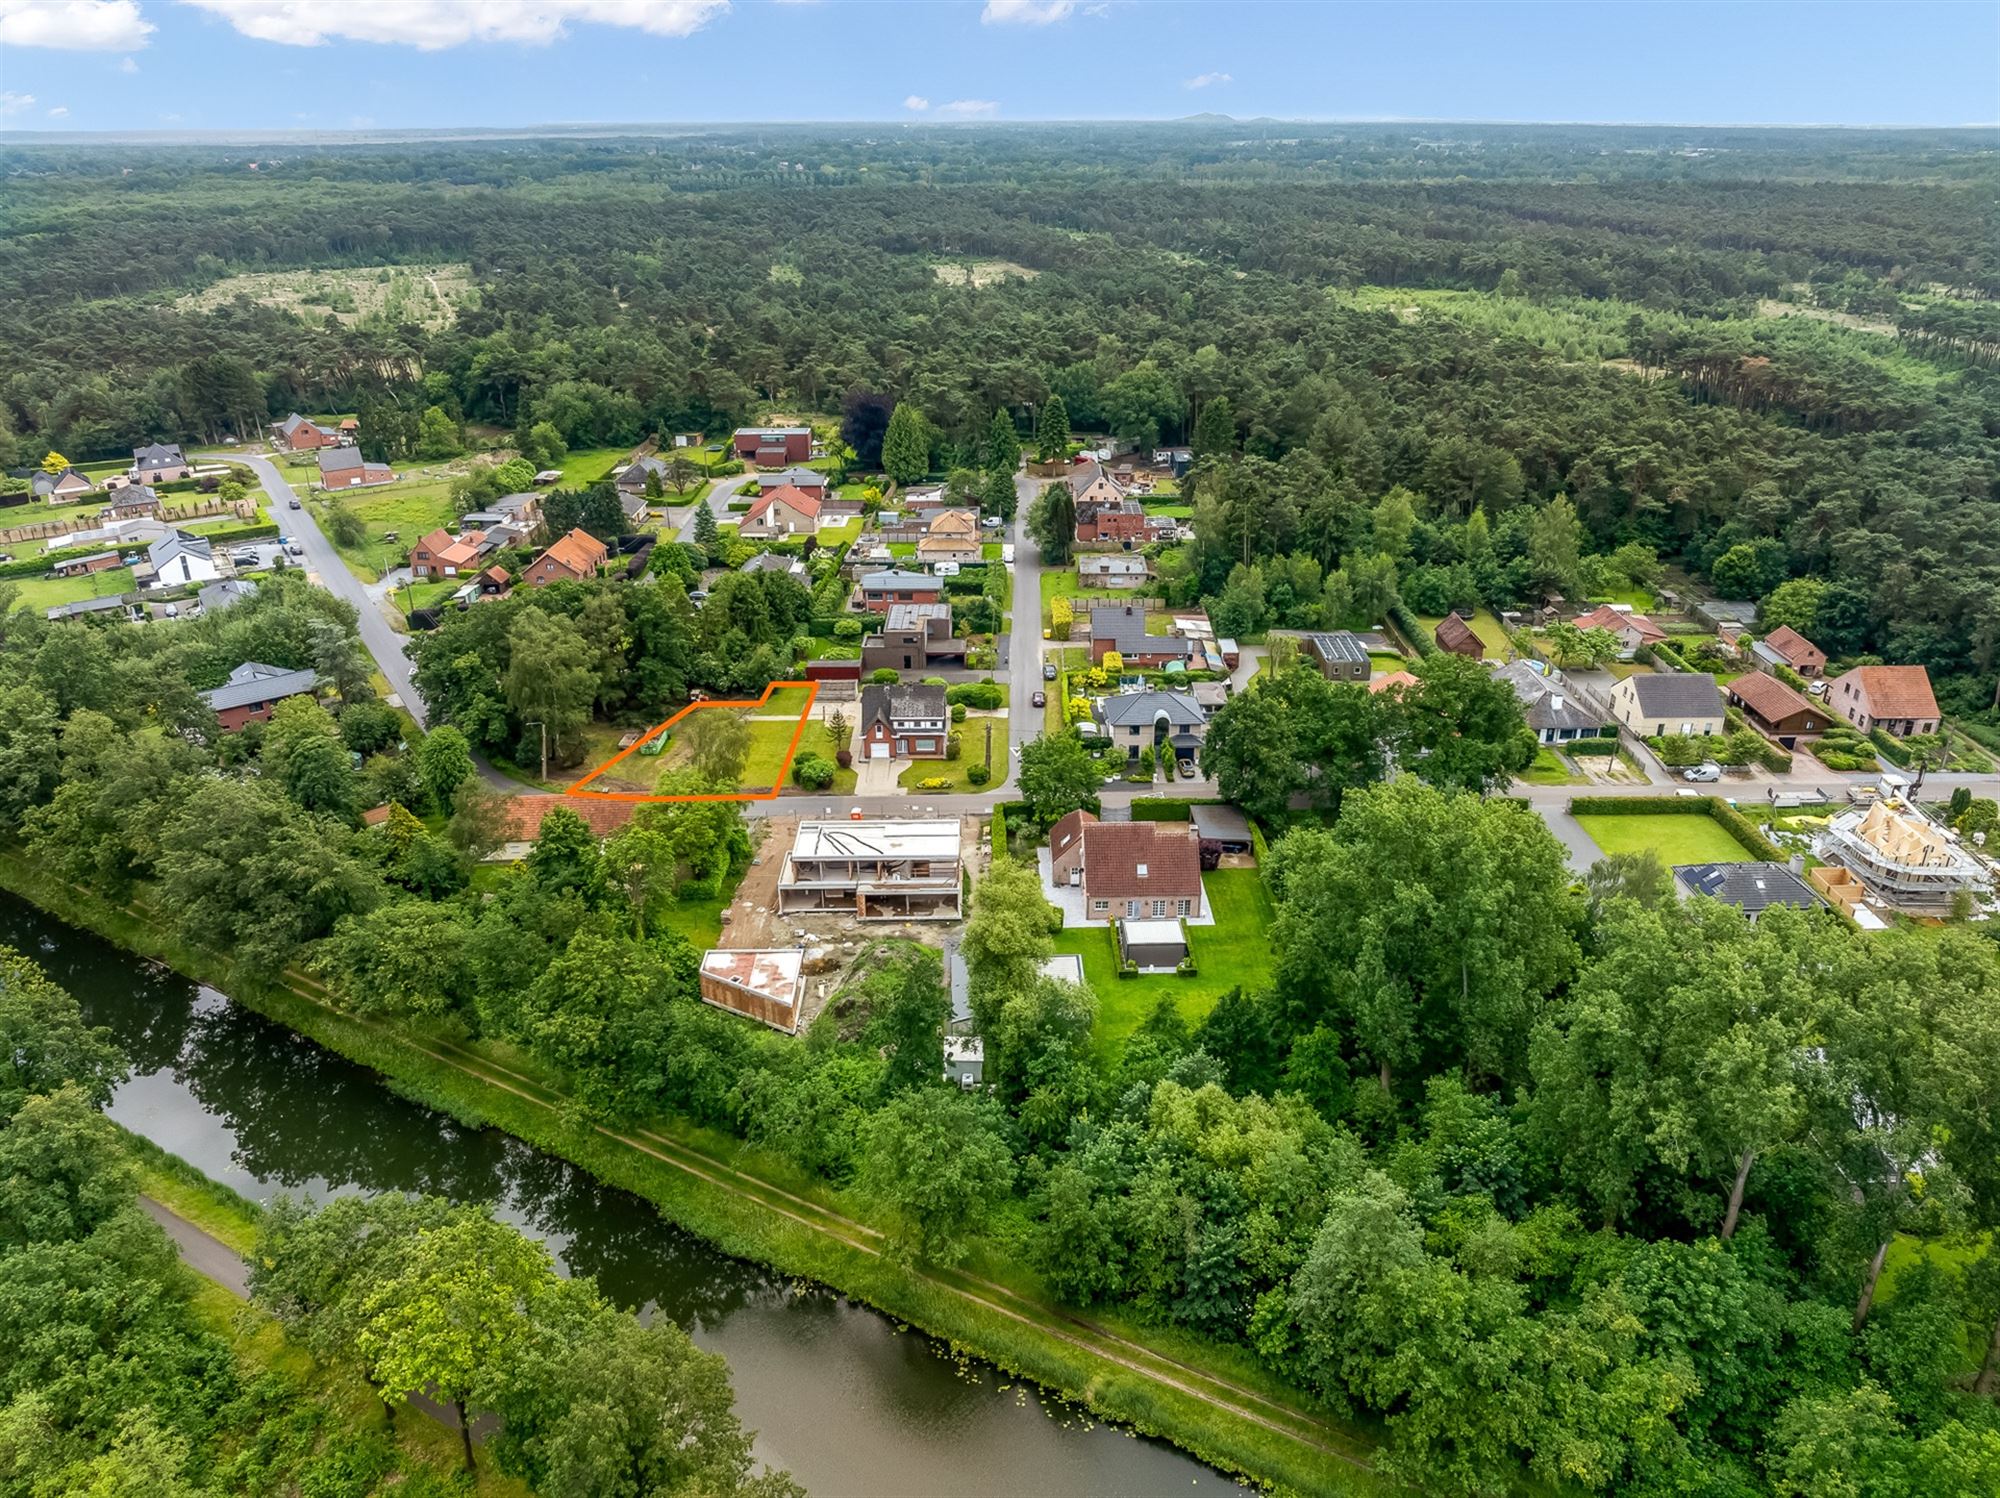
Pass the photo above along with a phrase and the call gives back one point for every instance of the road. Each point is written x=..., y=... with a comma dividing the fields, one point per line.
x=382, y=642
x=717, y=502
x=1022, y=650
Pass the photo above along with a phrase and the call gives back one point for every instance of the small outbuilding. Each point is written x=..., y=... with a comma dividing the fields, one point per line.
x=1222, y=824
x=1154, y=946
x=765, y=984
x=1453, y=634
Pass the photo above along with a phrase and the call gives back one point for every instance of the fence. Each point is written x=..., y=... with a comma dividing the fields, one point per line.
x=42, y=529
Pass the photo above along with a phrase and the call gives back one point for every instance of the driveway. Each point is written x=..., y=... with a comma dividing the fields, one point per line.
x=330, y=572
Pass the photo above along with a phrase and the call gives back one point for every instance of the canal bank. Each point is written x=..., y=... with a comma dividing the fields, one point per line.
x=329, y=1146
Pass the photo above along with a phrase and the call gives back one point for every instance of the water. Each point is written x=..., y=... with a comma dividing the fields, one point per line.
x=839, y=1394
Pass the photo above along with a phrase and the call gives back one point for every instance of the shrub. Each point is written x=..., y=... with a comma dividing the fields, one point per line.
x=936, y=681
x=845, y=758
x=984, y=695
x=952, y=744
x=999, y=824
x=813, y=773
x=885, y=677
x=1604, y=747
x=958, y=712
x=978, y=774
x=1406, y=622
x=847, y=629
x=934, y=783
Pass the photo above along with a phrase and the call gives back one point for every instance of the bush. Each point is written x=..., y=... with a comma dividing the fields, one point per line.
x=984, y=695
x=1603, y=747
x=978, y=774
x=999, y=824
x=813, y=773
x=958, y=712
x=952, y=745
x=845, y=758
x=886, y=677
x=847, y=629
x=1415, y=633
x=934, y=783
x=936, y=681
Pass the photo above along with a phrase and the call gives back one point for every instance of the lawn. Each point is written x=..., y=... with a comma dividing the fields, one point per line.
x=411, y=510
x=1234, y=952
x=47, y=592
x=1549, y=769
x=586, y=466
x=1692, y=838
x=843, y=534
x=1491, y=635
x=972, y=752
x=818, y=741
x=1061, y=582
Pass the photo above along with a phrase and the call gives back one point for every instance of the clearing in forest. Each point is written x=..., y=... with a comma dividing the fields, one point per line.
x=428, y=295
x=772, y=726
x=979, y=273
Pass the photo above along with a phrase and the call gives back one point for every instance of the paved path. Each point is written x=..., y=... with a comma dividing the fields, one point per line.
x=718, y=502
x=1021, y=650
x=382, y=642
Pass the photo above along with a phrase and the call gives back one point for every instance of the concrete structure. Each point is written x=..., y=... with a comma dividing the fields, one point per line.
x=1111, y=522
x=964, y=1060
x=220, y=597
x=765, y=984
x=951, y=536
x=84, y=607
x=772, y=447
x=97, y=561
x=903, y=722
x=253, y=690
x=1898, y=859
x=874, y=870
x=914, y=637
x=440, y=554
x=133, y=502
x=1128, y=869
x=1663, y=704
x=1339, y=654
x=1752, y=888
x=1775, y=709
x=1895, y=699
x=1785, y=646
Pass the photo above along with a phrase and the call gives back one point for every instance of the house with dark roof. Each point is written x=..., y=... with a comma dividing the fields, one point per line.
x=1113, y=569
x=903, y=722
x=1658, y=704
x=775, y=561
x=253, y=690
x=1128, y=870
x=1551, y=705
x=59, y=488
x=1165, y=722
x=1785, y=646
x=1121, y=627
x=632, y=478
x=345, y=468
x=296, y=434
x=808, y=481
x=881, y=591
x=160, y=463
x=179, y=557
x=97, y=561
x=133, y=502
x=1339, y=654
x=1453, y=634
x=1895, y=699
x=914, y=637
x=220, y=596
x=1752, y=888
x=1775, y=709
x=1223, y=825
x=84, y=607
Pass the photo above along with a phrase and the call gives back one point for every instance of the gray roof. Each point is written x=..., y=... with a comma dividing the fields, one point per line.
x=339, y=459
x=634, y=476
x=1768, y=655
x=1548, y=701
x=1750, y=886
x=1677, y=694
x=797, y=477
x=1082, y=475
x=85, y=606
x=1224, y=824
x=514, y=504
x=773, y=561
x=253, y=681
x=1179, y=708
x=134, y=494
x=901, y=703
x=225, y=595
x=898, y=578
x=174, y=543
x=44, y=482
x=158, y=454
x=916, y=615
x=1339, y=646
x=1125, y=629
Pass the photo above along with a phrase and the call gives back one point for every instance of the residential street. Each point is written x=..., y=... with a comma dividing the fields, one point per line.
x=718, y=502
x=1021, y=651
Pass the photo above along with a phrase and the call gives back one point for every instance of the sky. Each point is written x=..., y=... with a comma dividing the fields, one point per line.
x=182, y=65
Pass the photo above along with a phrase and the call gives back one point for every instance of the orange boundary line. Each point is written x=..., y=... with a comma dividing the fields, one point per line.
x=798, y=732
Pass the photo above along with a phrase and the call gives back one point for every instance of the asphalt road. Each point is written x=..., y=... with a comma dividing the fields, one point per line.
x=1023, y=647
x=382, y=642
x=718, y=502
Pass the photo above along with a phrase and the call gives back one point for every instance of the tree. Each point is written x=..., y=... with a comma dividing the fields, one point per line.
x=998, y=496
x=707, y=531
x=62, y=1170
x=936, y=1158
x=1008, y=936
x=55, y=462
x=444, y=762
x=1640, y=877
x=718, y=743
x=1003, y=444
x=479, y=819
x=304, y=754
x=565, y=856
x=641, y=862
x=438, y=435
x=906, y=446
x=28, y=760
x=1460, y=727
x=1555, y=547
x=1057, y=777
x=681, y=474
x=347, y=528
x=403, y=958
x=908, y=1005
x=1052, y=430
x=1215, y=429
x=864, y=422
x=1294, y=733
x=549, y=678
x=454, y=1311
x=1052, y=523
x=545, y=447
x=44, y=1042
x=1795, y=602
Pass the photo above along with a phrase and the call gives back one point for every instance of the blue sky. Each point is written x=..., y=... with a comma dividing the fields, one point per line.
x=333, y=64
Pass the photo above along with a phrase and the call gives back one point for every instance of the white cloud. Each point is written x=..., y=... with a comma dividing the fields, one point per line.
x=74, y=25
x=128, y=65
x=1207, y=80
x=12, y=103
x=917, y=102
x=431, y=25
x=1026, y=12
x=966, y=109
x=60, y=112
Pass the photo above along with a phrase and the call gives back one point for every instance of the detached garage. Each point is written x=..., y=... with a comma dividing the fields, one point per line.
x=1154, y=946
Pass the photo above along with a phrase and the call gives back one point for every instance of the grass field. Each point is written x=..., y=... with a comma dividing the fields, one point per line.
x=1491, y=635
x=1061, y=582
x=1694, y=838
x=1548, y=769
x=972, y=752
x=409, y=509
x=47, y=592
x=818, y=741
x=1233, y=953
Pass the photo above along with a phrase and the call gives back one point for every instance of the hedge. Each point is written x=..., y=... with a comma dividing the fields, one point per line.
x=261, y=532
x=36, y=566
x=999, y=831
x=1731, y=820
x=1590, y=747
x=1891, y=750
x=1170, y=808
x=1406, y=623
x=984, y=695
x=1979, y=733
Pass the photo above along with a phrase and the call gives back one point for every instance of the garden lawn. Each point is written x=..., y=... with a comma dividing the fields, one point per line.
x=973, y=752
x=585, y=467
x=1692, y=838
x=1549, y=769
x=410, y=510
x=819, y=741
x=1491, y=635
x=47, y=592
x=1061, y=582
x=1233, y=953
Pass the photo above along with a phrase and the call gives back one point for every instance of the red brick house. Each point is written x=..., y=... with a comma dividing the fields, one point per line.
x=1129, y=870
x=440, y=554
x=298, y=435
x=1455, y=635
x=1785, y=646
x=253, y=690
x=97, y=561
x=1777, y=710
x=1896, y=699
x=1121, y=628
x=773, y=447
x=904, y=722
x=575, y=557
x=1115, y=522
x=882, y=591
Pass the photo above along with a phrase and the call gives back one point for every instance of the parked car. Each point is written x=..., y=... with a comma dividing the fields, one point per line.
x=295, y=549
x=1048, y=670
x=1708, y=770
x=295, y=501
x=1187, y=769
x=1041, y=699
x=245, y=558
x=991, y=522
x=1007, y=553
x=172, y=611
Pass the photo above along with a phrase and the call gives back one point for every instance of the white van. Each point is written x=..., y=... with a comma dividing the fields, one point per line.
x=946, y=569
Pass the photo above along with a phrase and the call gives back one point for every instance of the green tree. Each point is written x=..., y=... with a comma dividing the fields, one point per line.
x=718, y=743
x=44, y=1042
x=549, y=677
x=1057, y=777
x=1555, y=548
x=936, y=1158
x=908, y=1005
x=906, y=446
x=707, y=532
x=1215, y=429
x=997, y=495
x=1460, y=727
x=1795, y=602
x=62, y=1170
x=1003, y=444
x=1052, y=429
x=28, y=758
x=444, y=761
x=347, y=528
x=1294, y=733
x=438, y=435
x=1008, y=936
x=545, y=447
x=403, y=958
x=565, y=857
x=641, y=862
x=1052, y=523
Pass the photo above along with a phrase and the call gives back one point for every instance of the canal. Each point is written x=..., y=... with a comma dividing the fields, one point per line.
x=846, y=1399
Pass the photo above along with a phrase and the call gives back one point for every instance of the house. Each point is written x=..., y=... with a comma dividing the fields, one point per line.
x=345, y=468
x=1453, y=634
x=1210, y=696
x=903, y=722
x=1390, y=681
x=632, y=506
x=253, y=690
x=495, y=582
x=180, y=557
x=350, y=427
x=296, y=434
x=572, y=558
x=133, y=502
x=59, y=488
x=1165, y=722
x=953, y=536
x=1892, y=855
x=218, y=597
x=160, y=463
x=773, y=447
x=783, y=511
x=1896, y=699
x=1112, y=522
x=1633, y=630
x=914, y=637
x=1785, y=646
x=1775, y=709
x=1121, y=627
x=775, y=561
x=1658, y=704
x=923, y=500
x=1135, y=870
x=766, y=984
x=85, y=607
x=874, y=869
x=440, y=554
x=1091, y=484
x=1550, y=704
x=1340, y=655
x=808, y=481
x=882, y=590
x=97, y=561
x=1224, y=826
x=1116, y=569
x=1752, y=888
x=632, y=477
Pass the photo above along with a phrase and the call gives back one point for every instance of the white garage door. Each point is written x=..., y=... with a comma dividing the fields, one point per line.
x=878, y=751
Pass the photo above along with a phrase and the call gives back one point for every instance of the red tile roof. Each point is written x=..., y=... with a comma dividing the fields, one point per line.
x=795, y=497
x=1604, y=616
x=579, y=551
x=1794, y=647
x=1769, y=698
x=1114, y=851
x=525, y=813
x=1393, y=679
x=1894, y=691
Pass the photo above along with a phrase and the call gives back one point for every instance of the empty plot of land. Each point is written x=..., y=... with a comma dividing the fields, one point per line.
x=980, y=272
x=1694, y=838
x=772, y=728
x=428, y=295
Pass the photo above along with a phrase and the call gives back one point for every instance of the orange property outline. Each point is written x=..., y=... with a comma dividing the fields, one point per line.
x=805, y=716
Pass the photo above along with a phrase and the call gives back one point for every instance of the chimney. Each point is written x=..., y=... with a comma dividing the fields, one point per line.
x=1797, y=864
x=1556, y=701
